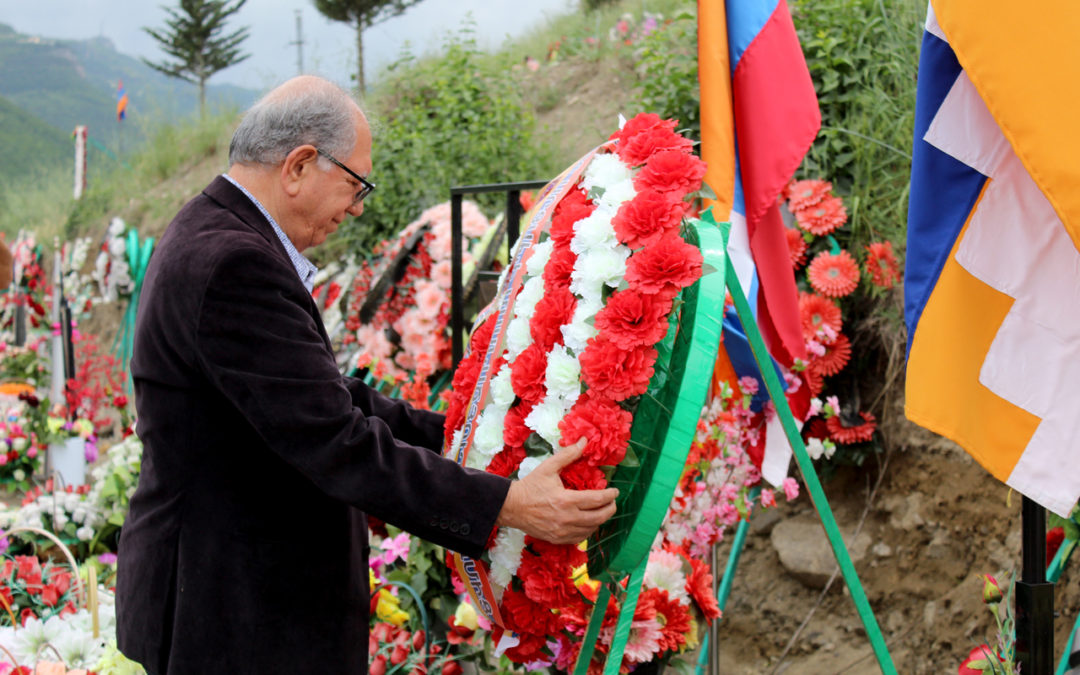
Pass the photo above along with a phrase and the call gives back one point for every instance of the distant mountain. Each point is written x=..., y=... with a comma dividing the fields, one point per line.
x=71, y=82
x=27, y=143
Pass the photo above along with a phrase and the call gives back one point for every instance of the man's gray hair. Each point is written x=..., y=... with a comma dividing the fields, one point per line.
x=323, y=116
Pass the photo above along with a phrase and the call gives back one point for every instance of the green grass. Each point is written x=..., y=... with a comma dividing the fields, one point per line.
x=43, y=202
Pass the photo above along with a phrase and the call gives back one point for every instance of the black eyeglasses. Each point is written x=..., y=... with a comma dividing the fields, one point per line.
x=366, y=187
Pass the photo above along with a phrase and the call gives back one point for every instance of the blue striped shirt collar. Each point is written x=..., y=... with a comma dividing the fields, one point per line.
x=304, y=267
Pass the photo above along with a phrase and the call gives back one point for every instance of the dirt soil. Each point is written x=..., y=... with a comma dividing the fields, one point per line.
x=937, y=522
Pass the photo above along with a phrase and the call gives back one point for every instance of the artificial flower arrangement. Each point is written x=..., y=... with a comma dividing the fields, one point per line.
x=112, y=272
x=832, y=275
x=715, y=490
x=588, y=302
x=29, y=589
x=399, y=331
x=30, y=288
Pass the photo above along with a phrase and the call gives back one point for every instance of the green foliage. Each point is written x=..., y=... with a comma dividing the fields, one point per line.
x=451, y=120
x=668, y=75
x=863, y=58
x=195, y=41
x=361, y=14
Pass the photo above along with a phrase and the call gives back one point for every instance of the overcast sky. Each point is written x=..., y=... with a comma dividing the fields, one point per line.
x=329, y=48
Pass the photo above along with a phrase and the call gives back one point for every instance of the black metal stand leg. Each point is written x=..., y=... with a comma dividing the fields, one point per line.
x=1034, y=597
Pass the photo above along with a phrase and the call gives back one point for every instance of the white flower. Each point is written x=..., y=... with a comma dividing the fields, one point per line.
x=604, y=171
x=33, y=635
x=506, y=555
x=595, y=231
x=489, y=431
x=814, y=448
x=577, y=334
x=541, y=253
x=528, y=296
x=456, y=440
x=84, y=533
x=544, y=419
x=602, y=265
x=18, y=444
x=502, y=391
x=517, y=338
x=664, y=571
x=527, y=466
x=616, y=194
x=563, y=374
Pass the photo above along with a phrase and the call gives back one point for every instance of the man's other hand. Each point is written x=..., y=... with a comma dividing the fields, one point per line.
x=540, y=506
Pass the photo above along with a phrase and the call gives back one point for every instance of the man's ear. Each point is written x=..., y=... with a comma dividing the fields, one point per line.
x=298, y=167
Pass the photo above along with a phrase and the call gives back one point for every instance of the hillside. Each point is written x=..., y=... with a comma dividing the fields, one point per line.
x=71, y=82
x=28, y=137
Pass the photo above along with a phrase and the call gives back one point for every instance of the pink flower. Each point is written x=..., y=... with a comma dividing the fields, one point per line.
x=396, y=547
x=748, y=385
x=440, y=274
x=430, y=299
x=768, y=499
x=791, y=488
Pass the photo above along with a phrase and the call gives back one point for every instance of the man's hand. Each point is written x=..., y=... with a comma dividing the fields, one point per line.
x=540, y=506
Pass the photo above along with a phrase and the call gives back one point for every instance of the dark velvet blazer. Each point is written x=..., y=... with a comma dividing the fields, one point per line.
x=245, y=549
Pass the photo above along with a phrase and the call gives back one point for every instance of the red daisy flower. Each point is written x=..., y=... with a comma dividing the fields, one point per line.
x=815, y=381
x=881, y=264
x=796, y=247
x=699, y=586
x=823, y=217
x=859, y=433
x=803, y=194
x=817, y=312
x=676, y=619
x=836, y=356
x=834, y=275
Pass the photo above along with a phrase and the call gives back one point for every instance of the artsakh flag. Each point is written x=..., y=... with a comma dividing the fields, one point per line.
x=121, y=102
x=759, y=116
x=992, y=284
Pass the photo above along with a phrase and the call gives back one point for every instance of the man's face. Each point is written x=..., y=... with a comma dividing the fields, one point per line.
x=330, y=193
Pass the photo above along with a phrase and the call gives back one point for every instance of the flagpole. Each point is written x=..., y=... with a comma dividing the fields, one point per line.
x=1034, y=601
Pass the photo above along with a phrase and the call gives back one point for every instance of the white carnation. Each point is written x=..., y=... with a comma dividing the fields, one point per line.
x=506, y=555
x=528, y=296
x=815, y=448
x=544, y=419
x=616, y=194
x=540, y=256
x=577, y=334
x=595, y=231
x=527, y=466
x=517, y=338
x=502, y=391
x=563, y=374
x=489, y=431
x=604, y=171
x=602, y=266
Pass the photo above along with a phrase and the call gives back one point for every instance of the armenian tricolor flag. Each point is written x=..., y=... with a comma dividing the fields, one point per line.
x=759, y=116
x=993, y=273
x=121, y=101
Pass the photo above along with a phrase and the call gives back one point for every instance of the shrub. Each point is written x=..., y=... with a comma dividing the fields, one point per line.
x=668, y=74
x=439, y=122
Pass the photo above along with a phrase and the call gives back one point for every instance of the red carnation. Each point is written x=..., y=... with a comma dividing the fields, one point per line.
x=699, y=586
x=506, y=461
x=583, y=476
x=817, y=312
x=823, y=217
x=616, y=373
x=546, y=579
x=604, y=425
x=530, y=647
x=843, y=433
x=834, y=275
x=527, y=374
x=796, y=247
x=514, y=430
x=1054, y=537
x=668, y=265
x=553, y=311
x=881, y=264
x=559, y=267
x=647, y=217
x=524, y=615
x=631, y=319
x=671, y=171
x=647, y=134
x=572, y=208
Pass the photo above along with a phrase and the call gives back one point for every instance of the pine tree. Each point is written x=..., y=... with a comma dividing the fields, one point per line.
x=193, y=38
x=362, y=14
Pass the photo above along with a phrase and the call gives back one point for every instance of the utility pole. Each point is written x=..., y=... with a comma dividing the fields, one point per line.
x=299, y=42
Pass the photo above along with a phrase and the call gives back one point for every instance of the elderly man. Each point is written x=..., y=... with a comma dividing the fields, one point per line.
x=245, y=550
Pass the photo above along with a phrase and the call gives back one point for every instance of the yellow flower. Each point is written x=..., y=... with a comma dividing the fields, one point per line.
x=465, y=616
x=372, y=582
x=388, y=609
x=580, y=576
x=84, y=427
